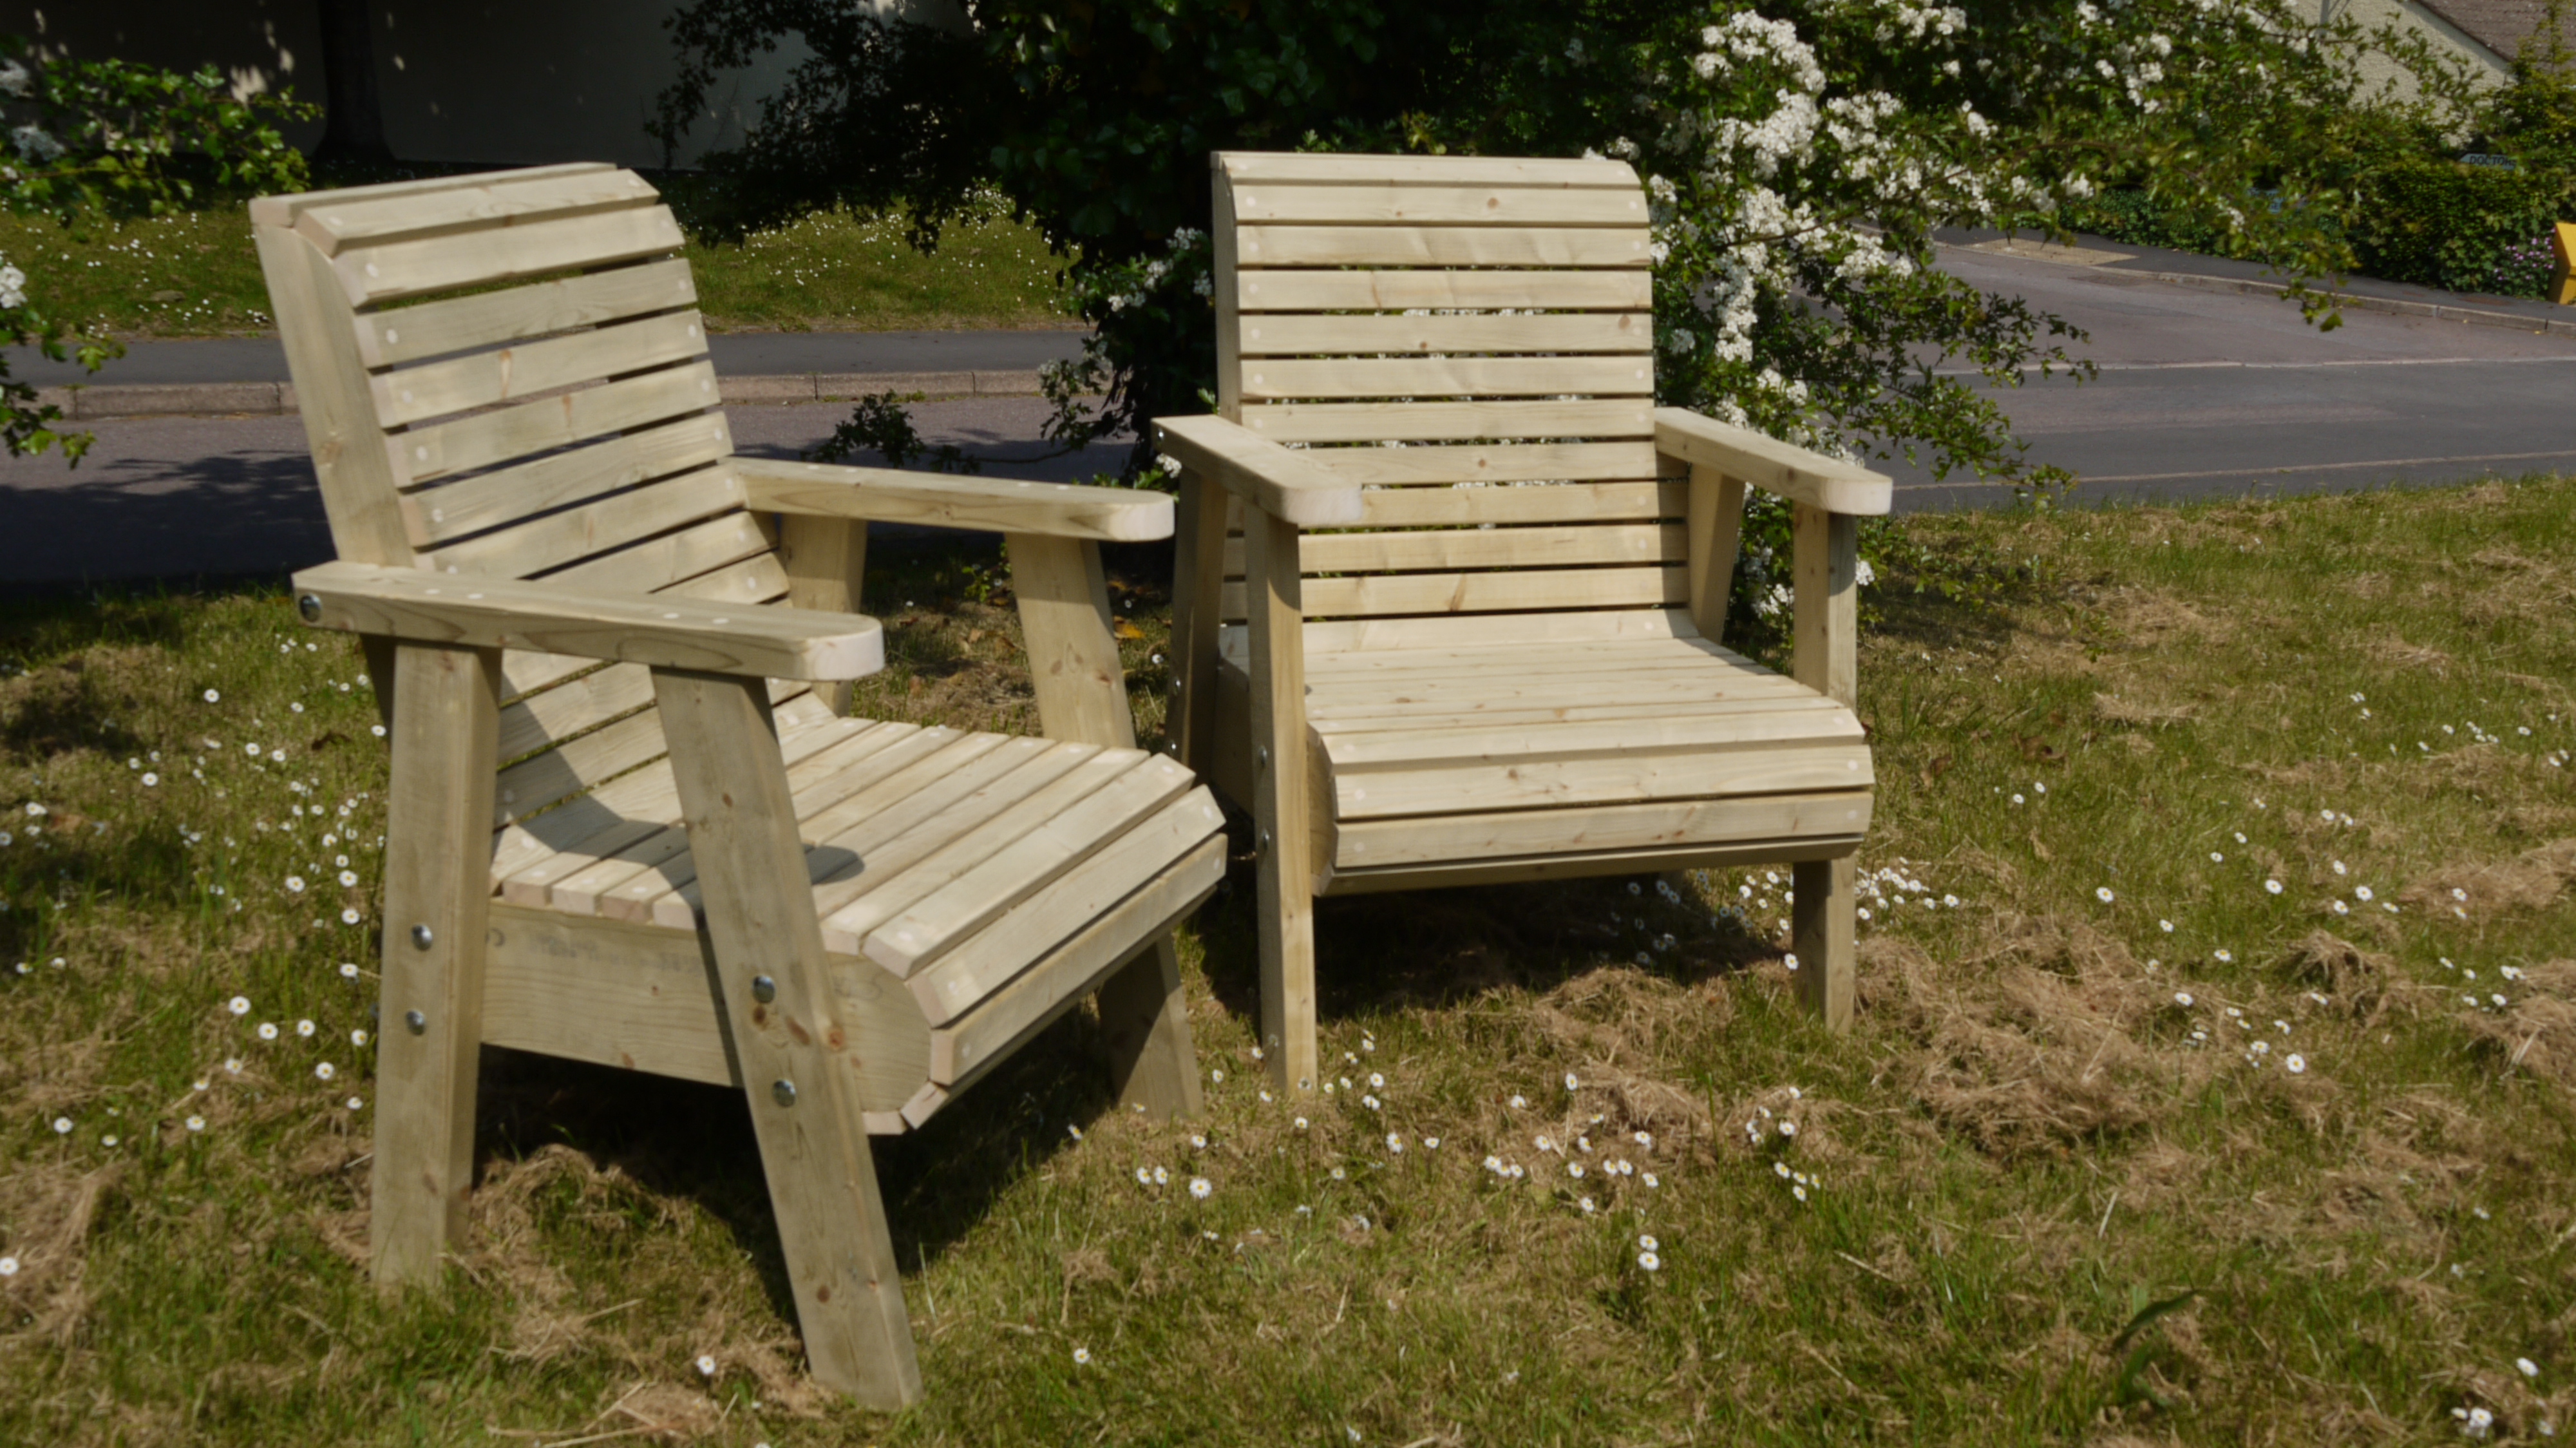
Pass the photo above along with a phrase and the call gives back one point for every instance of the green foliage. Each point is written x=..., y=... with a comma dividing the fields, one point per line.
x=121, y=140
x=880, y=425
x=2459, y=227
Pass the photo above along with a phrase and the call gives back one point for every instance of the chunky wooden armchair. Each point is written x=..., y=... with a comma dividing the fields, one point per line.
x=625, y=825
x=1451, y=585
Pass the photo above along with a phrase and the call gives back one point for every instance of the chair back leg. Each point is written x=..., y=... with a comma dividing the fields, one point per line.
x=1825, y=935
x=1145, y=1016
x=777, y=1004
x=438, y=871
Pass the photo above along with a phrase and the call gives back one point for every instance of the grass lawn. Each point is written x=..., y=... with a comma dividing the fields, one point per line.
x=2102, y=1066
x=194, y=275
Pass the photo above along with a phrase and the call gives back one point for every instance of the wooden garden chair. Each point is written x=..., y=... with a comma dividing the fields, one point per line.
x=1451, y=585
x=625, y=824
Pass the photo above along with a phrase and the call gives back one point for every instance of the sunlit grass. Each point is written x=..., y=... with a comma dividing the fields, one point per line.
x=2028, y=1138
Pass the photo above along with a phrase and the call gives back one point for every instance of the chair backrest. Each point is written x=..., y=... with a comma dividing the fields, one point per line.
x=1472, y=339
x=506, y=375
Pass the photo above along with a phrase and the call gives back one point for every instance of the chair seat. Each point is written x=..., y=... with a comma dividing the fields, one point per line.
x=952, y=860
x=1496, y=750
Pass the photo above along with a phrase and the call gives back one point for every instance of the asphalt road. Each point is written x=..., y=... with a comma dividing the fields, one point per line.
x=2202, y=394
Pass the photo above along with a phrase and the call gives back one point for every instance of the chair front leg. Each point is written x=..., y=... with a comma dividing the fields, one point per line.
x=826, y=561
x=1825, y=657
x=1072, y=640
x=438, y=893
x=1281, y=802
x=777, y=1002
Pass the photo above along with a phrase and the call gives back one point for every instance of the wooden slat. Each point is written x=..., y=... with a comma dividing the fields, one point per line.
x=1287, y=796
x=1276, y=246
x=1794, y=766
x=1344, y=708
x=498, y=201
x=489, y=500
x=1358, y=754
x=1258, y=471
x=489, y=319
x=1455, y=506
x=1440, y=205
x=1056, y=510
x=1799, y=474
x=283, y=210
x=1420, y=465
x=487, y=379
x=603, y=754
x=539, y=545
x=756, y=579
x=1346, y=169
x=555, y=714
x=1446, y=421
x=771, y=643
x=1031, y=858
x=349, y=460
x=1464, y=548
x=1470, y=654
x=1304, y=335
x=1352, y=291
x=1356, y=638
x=376, y=274
x=1579, y=864
x=1270, y=378
x=1176, y=833
x=1366, y=844
x=491, y=438
x=1535, y=721
x=1485, y=592
x=713, y=550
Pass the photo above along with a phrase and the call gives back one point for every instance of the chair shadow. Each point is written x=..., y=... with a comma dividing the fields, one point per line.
x=219, y=516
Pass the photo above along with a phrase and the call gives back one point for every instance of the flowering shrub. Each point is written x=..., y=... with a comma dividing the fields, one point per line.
x=121, y=139
x=1800, y=154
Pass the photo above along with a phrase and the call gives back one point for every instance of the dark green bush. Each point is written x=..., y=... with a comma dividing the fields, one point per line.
x=2462, y=228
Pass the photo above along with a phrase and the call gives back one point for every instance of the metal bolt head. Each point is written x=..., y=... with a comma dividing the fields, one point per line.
x=1176, y=686
x=783, y=1092
x=1263, y=843
x=1261, y=756
x=763, y=989
x=415, y=1022
x=421, y=938
x=310, y=607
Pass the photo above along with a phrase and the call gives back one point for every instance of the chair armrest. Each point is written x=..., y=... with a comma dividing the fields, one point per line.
x=1287, y=485
x=1795, y=473
x=886, y=495
x=634, y=628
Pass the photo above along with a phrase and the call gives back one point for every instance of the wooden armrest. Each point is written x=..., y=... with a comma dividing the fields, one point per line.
x=1288, y=486
x=885, y=495
x=674, y=633
x=1793, y=472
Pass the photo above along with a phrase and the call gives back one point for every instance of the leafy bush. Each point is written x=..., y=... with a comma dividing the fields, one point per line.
x=2444, y=224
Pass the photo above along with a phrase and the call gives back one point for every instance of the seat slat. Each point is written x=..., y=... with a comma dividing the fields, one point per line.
x=1375, y=246
x=1391, y=703
x=376, y=274
x=488, y=500
x=1467, y=548
x=1447, y=421
x=489, y=206
x=895, y=824
x=1305, y=335
x=1440, y=205
x=576, y=534
x=1360, y=638
x=1353, y=291
x=1342, y=169
x=491, y=438
x=559, y=713
x=1756, y=768
x=1359, y=758
x=489, y=319
x=1514, y=591
x=1455, y=506
x=1538, y=719
x=576, y=765
x=487, y=379
x=1273, y=378
x=1433, y=839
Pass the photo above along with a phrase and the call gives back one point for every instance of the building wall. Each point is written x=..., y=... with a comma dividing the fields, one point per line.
x=2412, y=17
x=462, y=80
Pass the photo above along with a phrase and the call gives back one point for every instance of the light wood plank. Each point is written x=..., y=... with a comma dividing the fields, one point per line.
x=813, y=1137
x=705, y=552
x=1358, y=757
x=1456, y=506
x=1198, y=581
x=499, y=200
x=1166, y=855
x=874, y=833
x=542, y=544
x=773, y=643
x=1032, y=857
x=1260, y=472
x=1486, y=592
x=1567, y=332
x=1351, y=169
x=1058, y=510
x=1489, y=463
x=1267, y=379
x=283, y=210
x=376, y=274
x=492, y=438
x=1564, y=864
x=436, y=908
x=1716, y=533
x=1825, y=611
x=1283, y=800
x=1259, y=292
x=756, y=579
x=1827, y=937
x=1385, y=707
x=1796, y=473
x=1670, y=824
x=1534, y=722
x=1467, y=548
x=1446, y=421
x=826, y=560
x=489, y=500
x=1438, y=204
x=318, y=330
x=1359, y=637
x=1375, y=246
x=576, y=765
x=1071, y=639
x=1753, y=766
x=489, y=319
x=488, y=379
x=553, y=715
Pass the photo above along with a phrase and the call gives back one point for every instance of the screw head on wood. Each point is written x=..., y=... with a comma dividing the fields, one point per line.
x=783, y=1092
x=1261, y=756
x=310, y=607
x=763, y=989
x=421, y=938
x=1176, y=686
x=1263, y=843
x=415, y=1022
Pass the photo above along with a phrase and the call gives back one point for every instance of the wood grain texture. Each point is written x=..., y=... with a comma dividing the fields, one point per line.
x=1798, y=474
x=1495, y=592
x=375, y=274
x=572, y=535
x=496, y=200
x=1823, y=930
x=1775, y=821
x=1265, y=475
x=1271, y=379
x=826, y=560
x=1474, y=547
x=283, y=210
x=1560, y=863
x=884, y=495
x=1282, y=804
x=1477, y=505
x=1344, y=169
x=1565, y=332
x=1825, y=622
x=772, y=643
x=1716, y=528
x=812, y=1130
x=436, y=902
x=490, y=500
x=319, y=332
x=1198, y=583
x=1439, y=204
x=1072, y=639
x=506, y=374
x=423, y=330
x=1257, y=292
x=1460, y=246
x=1489, y=462
x=489, y=439
x=1447, y=421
